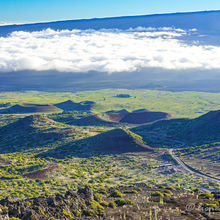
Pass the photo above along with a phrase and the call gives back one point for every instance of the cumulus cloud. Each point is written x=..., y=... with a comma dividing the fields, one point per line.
x=105, y=50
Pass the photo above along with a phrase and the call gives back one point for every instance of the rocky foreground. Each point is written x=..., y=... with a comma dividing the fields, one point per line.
x=124, y=202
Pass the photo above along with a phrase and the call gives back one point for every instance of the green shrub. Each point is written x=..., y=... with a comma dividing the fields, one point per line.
x=76, y=212
x=121, y=202
x=103, y=203
x=166, y=191
x=95, y=205
x=116, y=194
x=67, y=214
x=211, y=205
x=206, y=195
x=171, y=188
x=103, y=191
x=99, y=197
x=131, y=192
x=157, y=193
x=101, y=213
x=41, y=211
x=28, y=203
x=196, y=190
x=89, y=212
x=166, y=194
x=112, y=205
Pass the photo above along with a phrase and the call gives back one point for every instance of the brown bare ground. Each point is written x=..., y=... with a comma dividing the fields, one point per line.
x=42, y=174
x=137, y=117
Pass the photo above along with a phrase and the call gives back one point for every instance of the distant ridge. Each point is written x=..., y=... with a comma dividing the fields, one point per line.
x=114, y=17
x=202, y=20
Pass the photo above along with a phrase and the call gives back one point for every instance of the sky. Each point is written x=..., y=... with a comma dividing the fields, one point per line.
x=25, y=11
x=108, y=50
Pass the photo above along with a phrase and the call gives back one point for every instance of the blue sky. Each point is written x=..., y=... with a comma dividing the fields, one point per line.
x=48, y=10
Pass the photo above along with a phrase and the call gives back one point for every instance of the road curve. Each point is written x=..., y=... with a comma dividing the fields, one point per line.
x=190, y=169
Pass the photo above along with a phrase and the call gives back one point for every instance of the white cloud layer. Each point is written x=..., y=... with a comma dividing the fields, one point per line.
x=104, y=51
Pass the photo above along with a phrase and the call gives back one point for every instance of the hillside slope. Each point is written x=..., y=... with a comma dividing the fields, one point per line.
x=74, y=106
x=91, y=120
x=201, y=130
x=32, y=131
x=204, y=128
x=137, y=117
x=29, y=108
x=113, y=141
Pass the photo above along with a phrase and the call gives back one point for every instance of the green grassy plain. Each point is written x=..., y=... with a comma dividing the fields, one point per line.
x=178, y=104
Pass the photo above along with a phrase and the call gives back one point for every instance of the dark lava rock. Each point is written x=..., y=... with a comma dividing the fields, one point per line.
x=86, y=193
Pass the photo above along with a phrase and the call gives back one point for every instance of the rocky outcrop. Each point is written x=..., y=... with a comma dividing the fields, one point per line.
x=58, y=207
x=130, y=202
x=4, y=213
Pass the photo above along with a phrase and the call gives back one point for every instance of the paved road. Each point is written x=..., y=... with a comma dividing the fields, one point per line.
x=191, y=170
